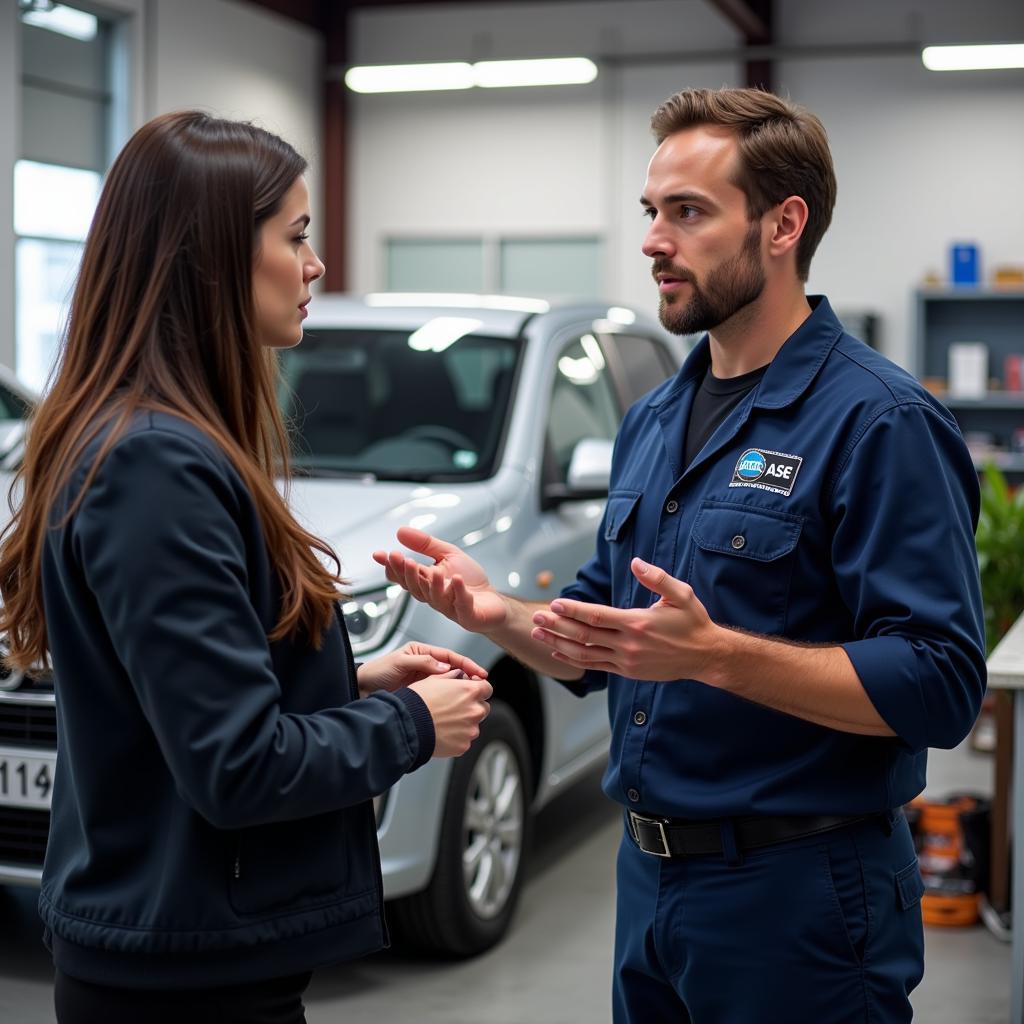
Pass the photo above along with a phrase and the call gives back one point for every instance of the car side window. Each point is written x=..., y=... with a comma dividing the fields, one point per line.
x=583, y=405
x=645, y=362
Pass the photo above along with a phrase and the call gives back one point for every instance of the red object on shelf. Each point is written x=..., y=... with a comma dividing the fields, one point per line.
x=1012, y=372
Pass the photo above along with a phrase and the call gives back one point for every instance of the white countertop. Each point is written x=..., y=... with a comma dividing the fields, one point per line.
x=1006, y=662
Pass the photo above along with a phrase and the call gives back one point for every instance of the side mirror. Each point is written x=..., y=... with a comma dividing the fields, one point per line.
x=590, y=470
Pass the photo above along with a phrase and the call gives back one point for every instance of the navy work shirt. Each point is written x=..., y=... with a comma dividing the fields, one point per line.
x=835, y=505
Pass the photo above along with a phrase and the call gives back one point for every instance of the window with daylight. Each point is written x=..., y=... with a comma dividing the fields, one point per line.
x=66, y=140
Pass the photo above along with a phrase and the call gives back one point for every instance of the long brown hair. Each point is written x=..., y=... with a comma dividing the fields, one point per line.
x=162, y=319
x=783, y=152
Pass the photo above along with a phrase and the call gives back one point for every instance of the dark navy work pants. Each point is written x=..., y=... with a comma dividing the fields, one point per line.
x=821, y=930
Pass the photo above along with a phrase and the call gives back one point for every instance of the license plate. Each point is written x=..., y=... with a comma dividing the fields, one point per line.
x=26, y=778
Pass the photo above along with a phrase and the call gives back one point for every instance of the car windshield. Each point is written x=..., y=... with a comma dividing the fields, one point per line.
x=382, y=403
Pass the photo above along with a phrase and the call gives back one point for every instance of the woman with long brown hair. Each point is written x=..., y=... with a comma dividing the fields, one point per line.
x=212, y=838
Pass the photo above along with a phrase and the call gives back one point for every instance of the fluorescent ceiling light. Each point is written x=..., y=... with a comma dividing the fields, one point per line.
x=442, y=332
x=410, y=77
x=487, y=74
x=65, y=20
x=973, y=58
x=499, y=74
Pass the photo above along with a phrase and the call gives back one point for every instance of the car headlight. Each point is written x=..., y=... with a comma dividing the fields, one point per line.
x=371, y=617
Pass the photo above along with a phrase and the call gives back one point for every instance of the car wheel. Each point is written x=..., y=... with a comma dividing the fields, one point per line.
x=485, y=832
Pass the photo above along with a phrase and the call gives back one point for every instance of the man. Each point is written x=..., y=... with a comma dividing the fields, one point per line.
x=783, y=604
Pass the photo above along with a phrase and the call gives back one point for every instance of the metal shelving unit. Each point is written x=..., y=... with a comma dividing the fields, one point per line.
x=994, y=317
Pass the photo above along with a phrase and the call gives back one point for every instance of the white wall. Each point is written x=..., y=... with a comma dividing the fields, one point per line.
x=923, y=159
x=239, y=61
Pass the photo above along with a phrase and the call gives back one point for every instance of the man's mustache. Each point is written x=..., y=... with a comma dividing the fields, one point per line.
x=661, y=267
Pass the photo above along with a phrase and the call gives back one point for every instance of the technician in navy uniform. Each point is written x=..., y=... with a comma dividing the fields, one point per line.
x=212, y=836
x=783, y=604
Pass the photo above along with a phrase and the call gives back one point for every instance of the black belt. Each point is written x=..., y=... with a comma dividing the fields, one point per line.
x=664, y=837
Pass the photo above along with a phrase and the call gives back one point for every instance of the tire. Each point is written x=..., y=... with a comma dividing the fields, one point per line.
x=465, y=910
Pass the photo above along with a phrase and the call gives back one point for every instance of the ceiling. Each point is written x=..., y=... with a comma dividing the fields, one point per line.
x=752, y=18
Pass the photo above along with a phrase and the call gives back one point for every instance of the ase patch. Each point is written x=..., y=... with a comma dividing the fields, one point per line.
x=767, y=471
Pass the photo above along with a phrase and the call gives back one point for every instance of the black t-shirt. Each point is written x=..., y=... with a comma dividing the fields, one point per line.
x=714, y=400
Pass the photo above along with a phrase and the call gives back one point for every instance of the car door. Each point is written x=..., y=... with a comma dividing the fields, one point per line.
x=580, y=400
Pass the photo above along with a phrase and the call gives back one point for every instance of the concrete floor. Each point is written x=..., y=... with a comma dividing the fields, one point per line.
x=555, y=966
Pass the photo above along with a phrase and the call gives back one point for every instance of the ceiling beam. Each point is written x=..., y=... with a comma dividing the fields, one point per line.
x=753, y=18
x=748, y=18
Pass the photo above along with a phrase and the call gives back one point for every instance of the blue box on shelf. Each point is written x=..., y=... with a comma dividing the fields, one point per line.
x=963, y=257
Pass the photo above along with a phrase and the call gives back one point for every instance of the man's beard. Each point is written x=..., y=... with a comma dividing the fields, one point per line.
x=732, y=285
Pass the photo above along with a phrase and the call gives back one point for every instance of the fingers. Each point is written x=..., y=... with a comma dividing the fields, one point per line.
x=659, y=581
x=456, y=660
x=583, y=655
x=586, y=624
x=407, y=574
x=424, y=543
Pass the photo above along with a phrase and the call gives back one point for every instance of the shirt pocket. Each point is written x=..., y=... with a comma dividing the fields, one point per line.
x=741, y=564
x=619, y=534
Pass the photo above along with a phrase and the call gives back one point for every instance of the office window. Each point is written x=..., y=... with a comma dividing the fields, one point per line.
x=435, y=265
x=541, y=267
x=66, y=141
x=569, y=267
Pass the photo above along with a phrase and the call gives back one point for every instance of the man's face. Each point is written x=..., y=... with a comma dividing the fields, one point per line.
x=706, y=253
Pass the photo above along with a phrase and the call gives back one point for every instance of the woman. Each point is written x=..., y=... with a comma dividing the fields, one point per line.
x=212, y=837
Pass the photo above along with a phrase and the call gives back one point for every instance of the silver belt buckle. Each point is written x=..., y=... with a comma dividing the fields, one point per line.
x=633, y=819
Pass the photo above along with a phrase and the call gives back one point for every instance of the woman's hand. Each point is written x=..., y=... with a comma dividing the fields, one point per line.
x=412, y=662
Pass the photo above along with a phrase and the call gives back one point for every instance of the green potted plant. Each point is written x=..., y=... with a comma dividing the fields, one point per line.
x=1000, y=543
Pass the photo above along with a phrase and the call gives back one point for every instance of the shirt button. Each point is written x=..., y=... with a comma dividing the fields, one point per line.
x=739, y=541
x=633, y=794
x=640, y=717
x=671, y=506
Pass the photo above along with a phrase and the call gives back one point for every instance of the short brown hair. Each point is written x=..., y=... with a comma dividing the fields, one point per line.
x=783, y=152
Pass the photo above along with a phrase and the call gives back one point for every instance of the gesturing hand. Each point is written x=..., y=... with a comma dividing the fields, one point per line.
x=454, y=585
x=411, y=662
x=673, y=639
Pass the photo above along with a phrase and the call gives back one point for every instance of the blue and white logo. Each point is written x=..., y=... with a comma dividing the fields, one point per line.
x=767, y=470
x=751, y=466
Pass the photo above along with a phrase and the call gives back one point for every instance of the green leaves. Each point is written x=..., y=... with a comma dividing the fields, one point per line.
x=1000, y=543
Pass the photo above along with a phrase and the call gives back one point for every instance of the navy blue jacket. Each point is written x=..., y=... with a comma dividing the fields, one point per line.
x=211, y=819
x=835, y=505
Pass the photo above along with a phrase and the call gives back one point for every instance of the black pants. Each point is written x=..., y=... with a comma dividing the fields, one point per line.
x=277, y=1001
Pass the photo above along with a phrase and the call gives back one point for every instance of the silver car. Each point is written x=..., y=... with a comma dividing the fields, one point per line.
x=489, y=423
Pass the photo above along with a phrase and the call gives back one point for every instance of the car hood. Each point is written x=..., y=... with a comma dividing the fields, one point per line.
x=357, y=518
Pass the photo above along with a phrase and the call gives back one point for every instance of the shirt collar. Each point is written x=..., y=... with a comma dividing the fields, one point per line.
x=790, y=373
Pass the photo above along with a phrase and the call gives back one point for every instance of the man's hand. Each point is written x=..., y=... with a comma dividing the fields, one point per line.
x=410, y=663
x=673, y=639
x=454, y=585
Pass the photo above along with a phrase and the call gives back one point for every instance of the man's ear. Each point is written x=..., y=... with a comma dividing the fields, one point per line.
x=787, y=222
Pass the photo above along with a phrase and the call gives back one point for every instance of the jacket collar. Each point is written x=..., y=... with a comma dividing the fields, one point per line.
x=788, y=375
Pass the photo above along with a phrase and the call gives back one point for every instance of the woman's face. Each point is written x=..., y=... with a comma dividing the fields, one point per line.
x=286, y=266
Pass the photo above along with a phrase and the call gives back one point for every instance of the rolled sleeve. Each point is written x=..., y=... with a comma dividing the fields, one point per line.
x=906, y=506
